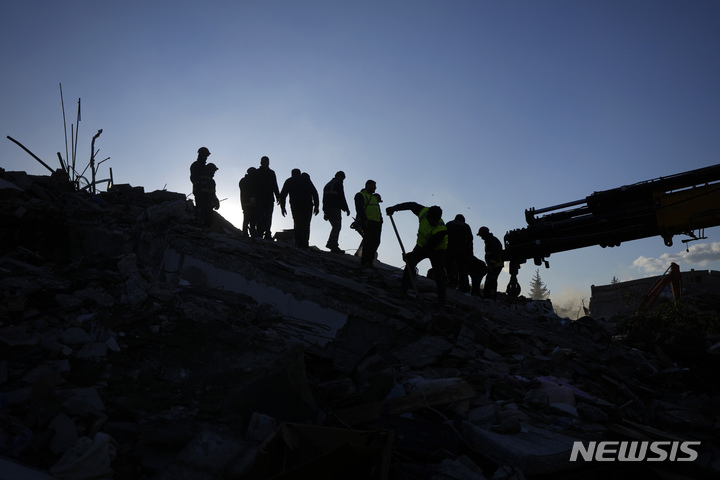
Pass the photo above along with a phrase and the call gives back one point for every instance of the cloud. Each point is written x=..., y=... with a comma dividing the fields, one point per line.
x=699, y=255
x=650, y=265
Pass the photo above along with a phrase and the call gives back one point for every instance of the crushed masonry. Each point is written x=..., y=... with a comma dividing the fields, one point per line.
x=135, y=344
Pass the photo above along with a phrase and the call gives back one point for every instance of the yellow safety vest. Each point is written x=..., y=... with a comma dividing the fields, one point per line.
x=372, y=206
x=425, y=231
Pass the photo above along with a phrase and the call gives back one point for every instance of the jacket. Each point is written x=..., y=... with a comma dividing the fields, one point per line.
x=426, y=232
x=334, y=196
x=493, y=252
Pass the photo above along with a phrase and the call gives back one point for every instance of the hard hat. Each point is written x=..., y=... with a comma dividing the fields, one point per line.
x=204, y=150
x=482, y=231
x=212, y=167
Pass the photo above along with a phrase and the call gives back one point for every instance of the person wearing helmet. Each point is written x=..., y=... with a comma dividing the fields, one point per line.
x=494, y=261
x=197, y=167
x=197, y=170
x=431, y=243
x=205, y=197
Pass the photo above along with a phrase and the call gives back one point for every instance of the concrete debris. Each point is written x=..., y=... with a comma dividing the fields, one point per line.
x=136, y=344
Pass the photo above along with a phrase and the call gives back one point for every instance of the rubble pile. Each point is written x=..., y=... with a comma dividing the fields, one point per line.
x=135, y=344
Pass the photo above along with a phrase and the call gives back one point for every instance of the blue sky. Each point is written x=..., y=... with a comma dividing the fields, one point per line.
x=486, y=108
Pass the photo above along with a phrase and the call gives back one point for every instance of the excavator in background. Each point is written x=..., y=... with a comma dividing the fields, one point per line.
x=671, y=277
x=681, y=204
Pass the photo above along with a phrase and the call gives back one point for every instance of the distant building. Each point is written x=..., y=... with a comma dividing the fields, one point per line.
x=623, y=298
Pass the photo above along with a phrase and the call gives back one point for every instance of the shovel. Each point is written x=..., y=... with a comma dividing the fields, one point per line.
x=410, y=274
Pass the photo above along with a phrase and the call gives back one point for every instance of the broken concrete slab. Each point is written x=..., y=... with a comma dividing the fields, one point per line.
x=328, y=320
x=87, y=458
x=533, y=450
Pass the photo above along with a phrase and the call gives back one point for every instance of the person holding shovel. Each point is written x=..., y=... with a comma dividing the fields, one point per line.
x=431, y=243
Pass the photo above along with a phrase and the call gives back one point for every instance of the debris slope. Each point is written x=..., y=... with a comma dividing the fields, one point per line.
x=135, y=344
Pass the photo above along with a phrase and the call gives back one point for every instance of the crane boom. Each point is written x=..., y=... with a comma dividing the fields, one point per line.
x=680, y=204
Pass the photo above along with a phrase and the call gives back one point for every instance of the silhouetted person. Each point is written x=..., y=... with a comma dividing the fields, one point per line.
x=459, y=253
x=267, y=193
x=303, y=199
x=369, y=218
x=494, y=261
x=334, y=203
x=431, y=243
x=248, y=202
x=477, y=270
x=197, y=169
x=205, y=197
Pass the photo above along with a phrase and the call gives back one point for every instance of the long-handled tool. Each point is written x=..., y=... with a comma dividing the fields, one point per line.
x=410, y=274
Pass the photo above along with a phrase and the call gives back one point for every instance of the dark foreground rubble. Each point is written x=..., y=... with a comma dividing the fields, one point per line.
x=136, y=345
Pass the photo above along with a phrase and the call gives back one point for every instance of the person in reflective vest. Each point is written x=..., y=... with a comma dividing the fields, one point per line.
x=431, y=243
x=369, y=219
